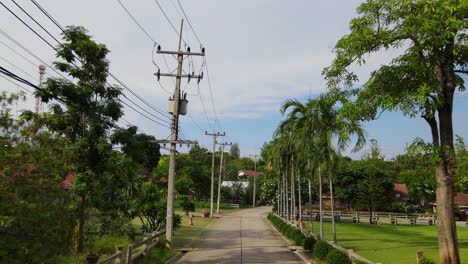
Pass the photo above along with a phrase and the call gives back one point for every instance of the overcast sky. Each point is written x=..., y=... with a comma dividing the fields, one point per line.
x=259, y=53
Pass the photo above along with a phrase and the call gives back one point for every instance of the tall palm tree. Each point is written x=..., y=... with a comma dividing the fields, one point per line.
x=329, y=124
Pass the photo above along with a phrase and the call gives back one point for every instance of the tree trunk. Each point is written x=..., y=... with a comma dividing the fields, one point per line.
x=293, y=194
x=310, y=207
x=447, y=232
x=332, y=205
x=81, y=222
x=321, y=204
x=286, y=196
x=299, y=194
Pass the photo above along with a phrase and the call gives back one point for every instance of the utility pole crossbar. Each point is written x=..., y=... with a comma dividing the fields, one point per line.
x=180, y=142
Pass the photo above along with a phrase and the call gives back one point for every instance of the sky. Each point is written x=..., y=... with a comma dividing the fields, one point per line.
x=259, y=54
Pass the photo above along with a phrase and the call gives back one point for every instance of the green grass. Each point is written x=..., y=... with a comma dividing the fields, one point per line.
x=184, y=234
x=392, y=243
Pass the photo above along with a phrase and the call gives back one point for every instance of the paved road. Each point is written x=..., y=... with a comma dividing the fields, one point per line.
x=241, y=237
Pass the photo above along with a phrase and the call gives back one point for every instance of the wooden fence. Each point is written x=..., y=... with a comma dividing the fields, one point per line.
x=351, y=254
x=377, y=218
x=134, y=251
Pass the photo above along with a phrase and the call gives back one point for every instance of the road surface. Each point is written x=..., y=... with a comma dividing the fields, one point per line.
x=241, y=237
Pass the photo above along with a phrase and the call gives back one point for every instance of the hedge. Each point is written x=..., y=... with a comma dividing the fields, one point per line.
x=321, y=249
x=337, y=257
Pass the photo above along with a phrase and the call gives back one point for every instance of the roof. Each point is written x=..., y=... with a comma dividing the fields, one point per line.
x=401, y=192
x=248, y=173
x=461, y=199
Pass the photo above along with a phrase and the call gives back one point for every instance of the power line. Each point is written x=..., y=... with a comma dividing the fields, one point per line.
x=110, y=74
x=190, y=24
x=18, y=68
x=149, y=118
x=29, y=52
x=168, y=20
x=21, y=87
x=136, y=22
x=28, y=26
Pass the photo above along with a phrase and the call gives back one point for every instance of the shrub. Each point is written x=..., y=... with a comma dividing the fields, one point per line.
x=297, y=237
x=321, y=249
x=186, y=204
x=309, y=244
x=337, y=257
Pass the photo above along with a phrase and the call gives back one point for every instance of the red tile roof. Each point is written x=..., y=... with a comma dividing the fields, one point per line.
x=401, y=192
x=461, y=199
x=250, y=173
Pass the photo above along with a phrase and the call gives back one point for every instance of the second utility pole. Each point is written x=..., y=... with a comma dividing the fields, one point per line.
x=214, y=135
x=220, y=174
x=255, y=178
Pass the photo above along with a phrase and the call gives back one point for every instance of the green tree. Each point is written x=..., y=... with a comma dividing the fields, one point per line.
x=140, y=147
x=461, y=170
x=92, y=107
x=235, y=151
x=36, y=213
x=421, y=80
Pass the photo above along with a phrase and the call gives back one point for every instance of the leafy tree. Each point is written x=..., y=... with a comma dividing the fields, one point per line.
x=36, y=213
x=150, y=207
x=92, y=107
x=138, y=146
x=421, y=80
x=235, y=151
x=374, y=189
x=461, y=170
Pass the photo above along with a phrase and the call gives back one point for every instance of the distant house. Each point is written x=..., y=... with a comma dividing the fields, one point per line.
x=461, y=199
x=230, y=184
x=244, y=174
x=339, y=204
x=400, y=192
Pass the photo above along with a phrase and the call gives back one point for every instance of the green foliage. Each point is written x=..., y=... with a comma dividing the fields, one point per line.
x=337, y=257
x=309, y=243
x=36, y=213
x=186, y=204
x=138, y=146
x=150, y=207
x=321, y=249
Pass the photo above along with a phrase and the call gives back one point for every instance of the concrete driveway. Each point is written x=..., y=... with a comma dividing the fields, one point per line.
x=241, y=237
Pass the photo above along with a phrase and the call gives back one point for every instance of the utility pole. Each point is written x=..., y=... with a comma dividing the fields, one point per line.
x=214, y=135
x=175, y=108
x=255, y=178
x=221, y=167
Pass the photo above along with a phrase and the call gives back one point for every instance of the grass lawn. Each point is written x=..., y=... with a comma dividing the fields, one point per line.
x=392, y=243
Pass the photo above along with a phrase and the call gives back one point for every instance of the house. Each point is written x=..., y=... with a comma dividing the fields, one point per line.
x=339, y=204
x=400, y=192
x=244, y=174
x=231, y=184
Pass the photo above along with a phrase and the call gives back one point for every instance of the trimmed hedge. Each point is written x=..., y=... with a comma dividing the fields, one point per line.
x=337, y=257
x=321, y=249
x=427, y=261
x=287, y=230
x=309, y=244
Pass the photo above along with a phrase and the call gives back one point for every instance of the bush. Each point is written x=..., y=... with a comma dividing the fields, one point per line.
x=337, y=257
x=297, y=237
x=321, y=249
x=186, y=204
x=309, y=244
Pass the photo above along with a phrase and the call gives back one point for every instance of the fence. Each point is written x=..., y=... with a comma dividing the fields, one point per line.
x=134, y=251
x=377, y=218
x=146, y=244
x=353, y=256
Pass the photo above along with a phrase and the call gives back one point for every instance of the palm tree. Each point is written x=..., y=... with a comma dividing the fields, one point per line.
x=329, y=124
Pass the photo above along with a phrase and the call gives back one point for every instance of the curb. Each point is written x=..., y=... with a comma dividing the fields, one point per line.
x=298, y=251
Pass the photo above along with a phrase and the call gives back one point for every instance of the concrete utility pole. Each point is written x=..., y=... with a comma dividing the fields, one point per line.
x=175, y=109
x=221, y=167
x=255, y=178
x=214, y=135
